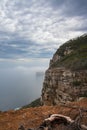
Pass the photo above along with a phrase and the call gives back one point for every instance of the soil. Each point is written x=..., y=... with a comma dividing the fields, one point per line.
x=33, y=117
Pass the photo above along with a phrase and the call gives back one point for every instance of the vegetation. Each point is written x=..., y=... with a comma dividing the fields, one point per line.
x=76, y=83
x=83, y=94
x=73, y=54
x=35, y=103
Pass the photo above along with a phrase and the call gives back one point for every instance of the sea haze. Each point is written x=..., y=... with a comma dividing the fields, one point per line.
x=19, y=85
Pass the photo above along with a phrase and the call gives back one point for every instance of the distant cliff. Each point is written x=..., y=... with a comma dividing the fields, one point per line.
x=66, y=78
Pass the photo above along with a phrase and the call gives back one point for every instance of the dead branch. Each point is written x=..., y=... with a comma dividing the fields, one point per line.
x=57, y=120
x=61, y=122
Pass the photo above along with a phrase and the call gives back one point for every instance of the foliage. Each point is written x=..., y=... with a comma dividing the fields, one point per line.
x=76, y=83
x=35, y=103
x=77, y=58
x=83, y=95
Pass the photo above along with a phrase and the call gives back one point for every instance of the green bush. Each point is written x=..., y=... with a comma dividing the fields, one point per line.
x=77, y=58
x=35, y=103
x=76, y=83
x=83, y=95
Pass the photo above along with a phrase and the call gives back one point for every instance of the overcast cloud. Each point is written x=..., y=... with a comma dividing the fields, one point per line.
x=36, y=28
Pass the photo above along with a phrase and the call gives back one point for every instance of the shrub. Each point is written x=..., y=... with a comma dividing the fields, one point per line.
x=35, y=103
x=76, y=83
x=77, y=59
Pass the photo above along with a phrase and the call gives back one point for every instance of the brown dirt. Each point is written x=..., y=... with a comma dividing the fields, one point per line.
x=33, y=117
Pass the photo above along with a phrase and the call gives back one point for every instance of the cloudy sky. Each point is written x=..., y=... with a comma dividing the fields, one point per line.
x=36, y=28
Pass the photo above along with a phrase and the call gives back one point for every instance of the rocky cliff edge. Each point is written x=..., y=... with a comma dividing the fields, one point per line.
x=66, y=78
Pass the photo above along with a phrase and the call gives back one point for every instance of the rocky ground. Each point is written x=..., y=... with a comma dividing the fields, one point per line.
x=33, y=117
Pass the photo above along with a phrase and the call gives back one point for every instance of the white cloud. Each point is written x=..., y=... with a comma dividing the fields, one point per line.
x=39, y=22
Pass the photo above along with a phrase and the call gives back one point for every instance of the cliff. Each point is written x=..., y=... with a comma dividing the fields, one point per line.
x=66, y=78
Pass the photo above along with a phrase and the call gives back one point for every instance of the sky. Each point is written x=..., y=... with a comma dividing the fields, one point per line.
x=30, y=33
x=36, y=28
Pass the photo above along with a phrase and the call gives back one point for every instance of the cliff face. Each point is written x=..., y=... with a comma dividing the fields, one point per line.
x=62, y=85
x=66, y=78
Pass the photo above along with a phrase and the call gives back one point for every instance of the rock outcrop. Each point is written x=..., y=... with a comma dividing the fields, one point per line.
x=66, y=78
